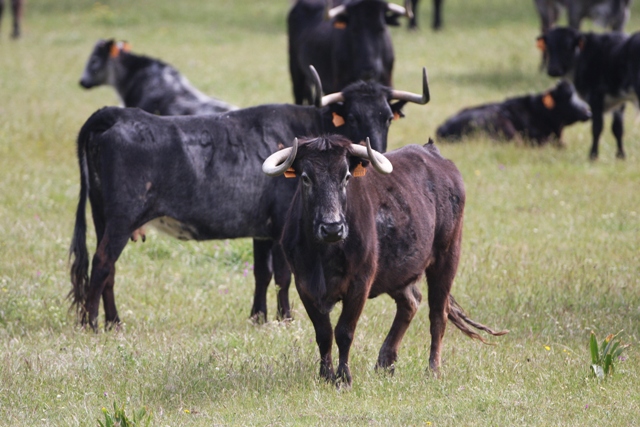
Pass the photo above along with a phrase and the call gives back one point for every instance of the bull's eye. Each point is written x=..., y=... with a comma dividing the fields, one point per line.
x=389, y=121
x=305, y=179
x=347, y=177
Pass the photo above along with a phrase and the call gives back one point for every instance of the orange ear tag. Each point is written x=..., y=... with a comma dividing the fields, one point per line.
x=290, y=173
x=541, y=44
x=115, y=51
x=548, y=101
x=359, y=171
x=396, y=115
x=340, y=25
x=126, y=47
x=337, y=120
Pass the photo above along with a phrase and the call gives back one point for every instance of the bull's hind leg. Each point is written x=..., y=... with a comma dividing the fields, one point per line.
x=103, y=271
x=440, y=277
x=282, y=276
x=617, y=127
x=262, y=272
x=407, y=302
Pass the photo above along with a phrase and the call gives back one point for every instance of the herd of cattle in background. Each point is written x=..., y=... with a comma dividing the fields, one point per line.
x=308, y=183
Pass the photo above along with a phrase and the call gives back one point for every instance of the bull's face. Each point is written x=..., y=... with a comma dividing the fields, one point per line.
x=324, y=178
x=561, y=46
x=96, y=71
x=566, y=104
x=367, y=112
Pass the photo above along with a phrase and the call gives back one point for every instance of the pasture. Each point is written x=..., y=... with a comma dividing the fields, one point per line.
x=551, y=242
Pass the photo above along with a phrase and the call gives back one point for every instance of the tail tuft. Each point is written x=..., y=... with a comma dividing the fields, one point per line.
x=458, y=317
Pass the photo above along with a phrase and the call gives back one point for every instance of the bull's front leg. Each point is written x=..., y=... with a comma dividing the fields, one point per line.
x=352, y=306
x=324, y=336
x=262, y=273
x=617, y=127
x=597, y=110
x=282, y=277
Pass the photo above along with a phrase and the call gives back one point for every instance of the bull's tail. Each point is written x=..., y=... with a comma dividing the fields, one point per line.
x=459, y=318
x=78, y=250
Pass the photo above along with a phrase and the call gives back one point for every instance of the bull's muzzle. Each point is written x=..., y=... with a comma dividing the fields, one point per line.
x=332, y=232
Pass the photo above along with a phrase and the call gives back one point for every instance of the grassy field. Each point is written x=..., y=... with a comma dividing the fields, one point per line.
x=551, y=243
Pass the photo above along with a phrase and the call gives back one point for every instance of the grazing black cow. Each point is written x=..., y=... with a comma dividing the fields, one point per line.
x=346, y=43
x=198, y=177
x=612, y=14
x=436, y=23
x=350, y=237
x=534, y=118
x=146, y=83
x=17, y=8
x=605, y=70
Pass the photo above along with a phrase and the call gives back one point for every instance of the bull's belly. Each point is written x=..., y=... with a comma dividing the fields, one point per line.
x=613, y=102
x=185, y=231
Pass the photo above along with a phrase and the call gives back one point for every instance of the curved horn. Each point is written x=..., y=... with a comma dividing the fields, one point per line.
x=332, y=98
x=378, y=161
x=396, y=8
x=317, y=101
x=407, y=5
x=272, y=166
x=335, y=11
x=412, y=97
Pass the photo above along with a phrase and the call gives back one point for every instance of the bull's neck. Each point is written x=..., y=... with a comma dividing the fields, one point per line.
x=122, y=72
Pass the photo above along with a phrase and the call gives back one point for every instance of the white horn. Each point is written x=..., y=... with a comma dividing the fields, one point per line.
x=378, y=160
x=277, y=163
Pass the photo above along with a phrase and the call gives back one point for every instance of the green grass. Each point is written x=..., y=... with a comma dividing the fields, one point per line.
x=551, y=243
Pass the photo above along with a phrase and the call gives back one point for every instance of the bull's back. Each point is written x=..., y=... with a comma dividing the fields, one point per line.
x=420, y=208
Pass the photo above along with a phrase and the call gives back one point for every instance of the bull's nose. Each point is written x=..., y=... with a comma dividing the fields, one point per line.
x=332, y=232
x=555, y=71
x=84, y=84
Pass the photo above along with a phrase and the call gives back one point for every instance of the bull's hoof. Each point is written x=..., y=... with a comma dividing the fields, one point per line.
x=386, y=368
x=593, y=156
x=620, y=155
x=258, y=318
x=343, y=376
x=326, y=372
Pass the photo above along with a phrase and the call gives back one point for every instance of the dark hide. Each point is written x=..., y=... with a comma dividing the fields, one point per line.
x=348, y=239
x=199, y=178
x=17, y=8
x=436, y=22
x=534, y=118
x=354, y=46
x=146, y=83
x=605, y=70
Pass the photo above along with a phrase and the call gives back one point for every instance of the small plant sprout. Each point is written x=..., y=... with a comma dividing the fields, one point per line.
x=141, y=418
x=603, y=358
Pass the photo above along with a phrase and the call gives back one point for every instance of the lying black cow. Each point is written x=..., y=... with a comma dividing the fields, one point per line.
x=352, y=235
x=17, y=8
x=146, y=83
x=605, y=69
x=436, y=22
x=198, y=177
x=346, y=43
x=534, y=118
x=612, y=14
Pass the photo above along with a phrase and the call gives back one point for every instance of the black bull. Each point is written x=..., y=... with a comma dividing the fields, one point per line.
x=199, y=178
x=346, y=43
x=349, y=238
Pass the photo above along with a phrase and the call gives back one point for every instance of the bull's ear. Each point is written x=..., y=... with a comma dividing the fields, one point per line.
x=392, y=19
x=541, y=44
x=548, y=101
x=358, y=166
x=340, y=22
x=396, y=109
x=338, y=115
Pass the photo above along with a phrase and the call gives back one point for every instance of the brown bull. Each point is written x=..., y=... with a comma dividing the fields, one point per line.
x=348, y=239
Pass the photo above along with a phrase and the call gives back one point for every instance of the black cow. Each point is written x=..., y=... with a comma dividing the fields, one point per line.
x=146, y=83
x=17, y=8
x=350, y=237
x=605, y=69
x=534, y=118
x=436, y=23
x=612, y=14
x=198, y=177
x=346, y=43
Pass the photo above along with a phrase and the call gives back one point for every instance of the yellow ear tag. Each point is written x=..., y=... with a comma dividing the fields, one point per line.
x=396, y=115
x=340, y=25
x=290, y=173
x=115, y=51
x=359, y=171
x=337, y=120
x=548, y=101
x=541, y=44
